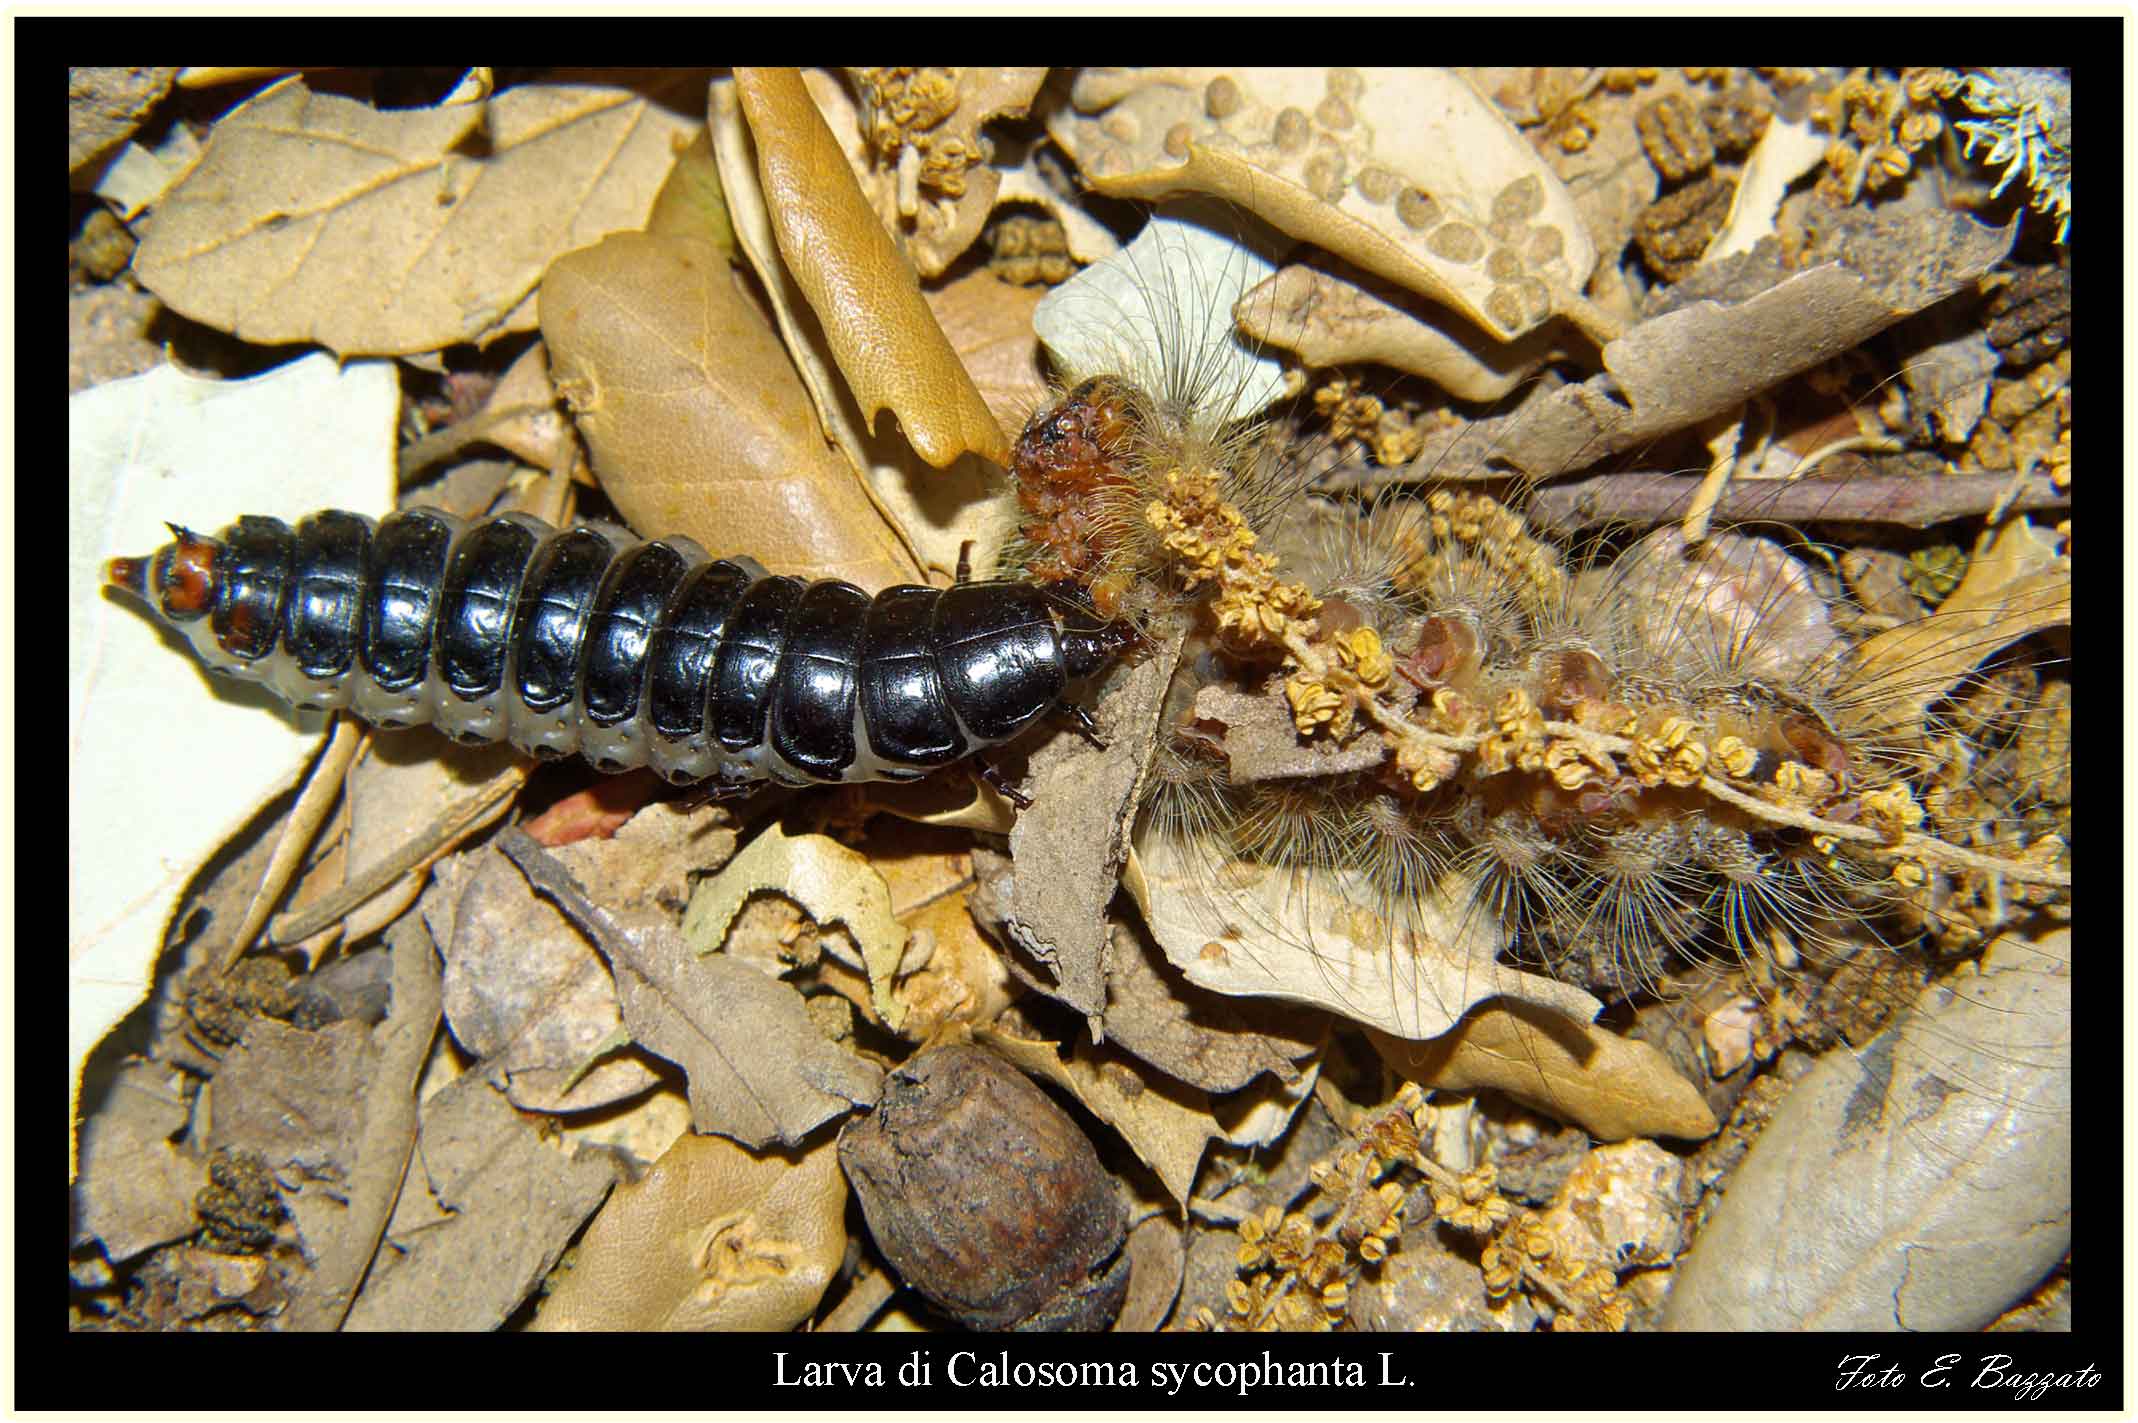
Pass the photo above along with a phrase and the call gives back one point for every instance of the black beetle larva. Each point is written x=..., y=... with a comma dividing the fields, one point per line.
x=633, y=653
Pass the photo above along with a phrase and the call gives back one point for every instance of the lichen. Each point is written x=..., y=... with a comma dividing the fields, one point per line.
x=2025, y=120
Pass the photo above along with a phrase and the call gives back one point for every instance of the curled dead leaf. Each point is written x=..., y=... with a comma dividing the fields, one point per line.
x=1315, y=937
x=1407, y=173
x=833, y=883
x=1334, y=318
x=861, y=288
x=2018, y=587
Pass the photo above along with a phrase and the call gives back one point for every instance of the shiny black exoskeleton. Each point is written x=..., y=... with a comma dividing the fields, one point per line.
x=631, y=653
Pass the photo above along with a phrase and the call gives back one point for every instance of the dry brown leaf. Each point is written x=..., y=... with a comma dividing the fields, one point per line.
x=1706, y=356
x=1314, y=937
x=1333, y=318
x=651, y=863
x=135, y=1190
x=1921, y=1182
x=760, y=1069
x=861, y=288
x=713, y=1237
x=696, y=420
x=950, y=971
x=935, y=513
x=988, y=322
x=513, y=1203
x=1406, y=173
x=524, y=991
x=833, y=883
x=1218, y=1044
x=317, y=218
x=291, y=1095
x=691, y=203
x=522, y=415
x=1612, y=1087
x=2018, y=587
x=1167, y=1124
x=1158, y=1258
x=105, y=105
x=1069, y=846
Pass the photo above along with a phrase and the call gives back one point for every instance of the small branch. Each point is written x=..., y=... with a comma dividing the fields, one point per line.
x=1914, y=501
x=321, y=790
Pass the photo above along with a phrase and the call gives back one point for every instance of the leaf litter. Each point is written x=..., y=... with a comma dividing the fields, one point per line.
x=813, y=263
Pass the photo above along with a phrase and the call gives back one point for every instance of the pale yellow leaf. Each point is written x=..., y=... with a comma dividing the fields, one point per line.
x=835, y=884
x=1611, y=1087
x=713, y=1237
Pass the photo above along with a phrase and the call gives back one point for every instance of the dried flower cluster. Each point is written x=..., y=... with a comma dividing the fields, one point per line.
x=1390, y=434
x=1879, y=125
x=902, y=108
x=1337, y=682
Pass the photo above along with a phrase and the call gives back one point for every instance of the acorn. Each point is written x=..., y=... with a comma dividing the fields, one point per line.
x=987, y=1197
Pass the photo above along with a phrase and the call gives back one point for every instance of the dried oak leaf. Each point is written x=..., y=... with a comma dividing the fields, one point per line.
x=135, y=1190
x=1407, y=173
x=295, y=1097
x=1614, y=1088
x=988, y=323
x=1702, y=358
x=105, y=105
x=1068, y=848
x=317, y=218
x=1158, y=1259
x=513, y=1203
x=522, y=415
x=862, y=289
x=1923, y=1182
x=950, y=971
x=760, y=1069
x=696, y=420
x=692, y=202
x=712, y=1237
x=1194, y=1036
x=934, y=512
x=833, y=883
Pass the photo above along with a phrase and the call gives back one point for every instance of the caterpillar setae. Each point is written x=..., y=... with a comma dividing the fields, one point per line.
x=631, y=653
x=1414, y=727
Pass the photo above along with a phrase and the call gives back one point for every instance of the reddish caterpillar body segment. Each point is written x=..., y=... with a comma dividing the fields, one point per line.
x=631, y=653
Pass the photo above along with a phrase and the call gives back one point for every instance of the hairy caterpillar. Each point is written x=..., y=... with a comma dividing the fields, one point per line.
x=1624, y=764
x=631, y=653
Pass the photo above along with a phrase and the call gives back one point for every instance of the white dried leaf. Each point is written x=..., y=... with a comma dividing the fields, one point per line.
x=1310, y=936
x=166, y=764
x=1159, y=313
